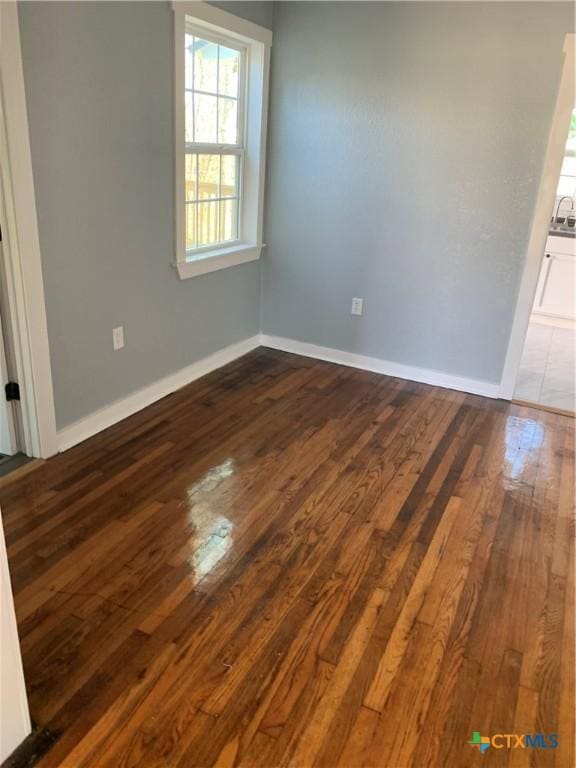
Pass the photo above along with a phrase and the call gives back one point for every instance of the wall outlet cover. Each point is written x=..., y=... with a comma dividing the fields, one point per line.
x=357, y=306
x=118, y=337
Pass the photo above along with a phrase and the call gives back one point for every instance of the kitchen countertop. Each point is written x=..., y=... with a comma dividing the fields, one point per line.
x=562, y=232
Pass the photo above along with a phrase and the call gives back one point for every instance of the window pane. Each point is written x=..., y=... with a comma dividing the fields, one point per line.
x=208, y=176
x=566, y=186
x=207, y=223
x=188, y=47
x=191, y=241
x=205, y=65
x=227, y=121
x=229, y=177
x=190, y=177
x=188, y=117
x=228, y=220
x=212, y=109
x=569, y=165
x=228, y=71
x=205, y=118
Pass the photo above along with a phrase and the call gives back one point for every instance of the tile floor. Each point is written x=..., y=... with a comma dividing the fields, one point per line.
x=547, y=370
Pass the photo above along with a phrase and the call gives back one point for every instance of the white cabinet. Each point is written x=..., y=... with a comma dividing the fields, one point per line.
x=556, y=291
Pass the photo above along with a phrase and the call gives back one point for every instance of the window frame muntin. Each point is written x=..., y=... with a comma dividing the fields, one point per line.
x=219, y=148
x=241, y=99
x=258, y=41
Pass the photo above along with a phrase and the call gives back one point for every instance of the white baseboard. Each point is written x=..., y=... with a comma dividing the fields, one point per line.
x=375, y=364
x=121, y=409
x=556, y=321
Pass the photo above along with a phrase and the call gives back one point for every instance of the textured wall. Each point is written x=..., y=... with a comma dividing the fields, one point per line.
x=99, y=92
x=406, y=143
x=405, y=148
x=253, y=10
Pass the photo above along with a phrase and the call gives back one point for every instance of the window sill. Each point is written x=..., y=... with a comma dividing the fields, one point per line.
x=222, y=258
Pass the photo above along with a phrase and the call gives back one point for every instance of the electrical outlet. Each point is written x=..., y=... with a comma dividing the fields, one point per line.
x=118, y=337
x=357, y=306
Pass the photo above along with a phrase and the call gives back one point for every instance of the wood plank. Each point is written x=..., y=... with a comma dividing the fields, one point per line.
x=292, y=563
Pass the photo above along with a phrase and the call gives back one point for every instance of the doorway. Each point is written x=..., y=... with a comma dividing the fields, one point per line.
x=547, y=368
x=12, y=447
x=8, y=443
x=548, y=278
x=24, y=310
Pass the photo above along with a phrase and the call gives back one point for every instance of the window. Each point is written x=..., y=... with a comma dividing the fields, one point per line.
x=567, y=181
x=221, y=78
x=214, y=104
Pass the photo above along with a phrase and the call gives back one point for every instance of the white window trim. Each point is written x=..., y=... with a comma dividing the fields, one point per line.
x=257, y=40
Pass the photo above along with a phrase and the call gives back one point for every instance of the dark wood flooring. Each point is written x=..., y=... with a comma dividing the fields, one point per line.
x=292, y=563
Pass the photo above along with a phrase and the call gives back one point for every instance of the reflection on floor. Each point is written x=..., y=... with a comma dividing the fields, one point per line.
x=293, y=563
x=547, y=369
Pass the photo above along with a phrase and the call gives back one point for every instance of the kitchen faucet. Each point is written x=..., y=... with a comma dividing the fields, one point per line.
x=566, y=197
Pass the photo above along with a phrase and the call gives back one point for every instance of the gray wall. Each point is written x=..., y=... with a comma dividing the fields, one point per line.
x=258, y=11
x=405, y=149
x=406, y=143
x=99, y=93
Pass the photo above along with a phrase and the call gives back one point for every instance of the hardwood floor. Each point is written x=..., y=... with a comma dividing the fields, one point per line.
x=292, y=563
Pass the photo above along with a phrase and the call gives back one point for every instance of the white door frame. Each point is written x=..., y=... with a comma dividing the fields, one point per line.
x=8, y=441
x=565, y=102
x=22, y=263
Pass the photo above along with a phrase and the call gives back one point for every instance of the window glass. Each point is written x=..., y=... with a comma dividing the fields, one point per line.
x=205, y=65
x=213, y=97
x=228, y=72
